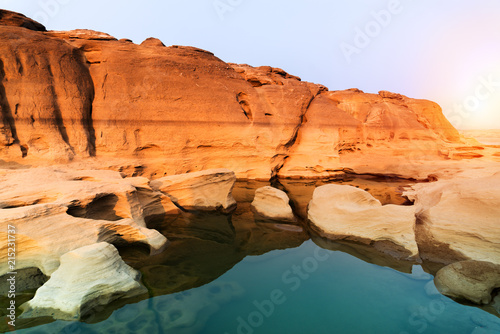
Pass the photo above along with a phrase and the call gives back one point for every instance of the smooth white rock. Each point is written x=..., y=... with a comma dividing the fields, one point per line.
x=87, y=277
x=341, y=212
x=273, y=203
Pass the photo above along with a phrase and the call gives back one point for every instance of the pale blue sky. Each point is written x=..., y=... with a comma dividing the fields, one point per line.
x=447, y=51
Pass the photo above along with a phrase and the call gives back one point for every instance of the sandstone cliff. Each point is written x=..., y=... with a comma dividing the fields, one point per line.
x=167, y=110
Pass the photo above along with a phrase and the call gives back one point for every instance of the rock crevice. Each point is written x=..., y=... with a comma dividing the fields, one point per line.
x=86, y=94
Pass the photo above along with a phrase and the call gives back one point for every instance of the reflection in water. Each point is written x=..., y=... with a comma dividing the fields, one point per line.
x=305, y=289
x=366, y=253
x=204, y=246
x=386, y=189
x=218, y=267
x=184, y=312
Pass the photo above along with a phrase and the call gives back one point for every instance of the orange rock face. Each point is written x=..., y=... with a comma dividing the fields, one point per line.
x=8, y=18
x=46, y=95
x=176, y=109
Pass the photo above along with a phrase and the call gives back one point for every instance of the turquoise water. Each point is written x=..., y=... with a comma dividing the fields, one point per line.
x=238, y=274
x=301, y=290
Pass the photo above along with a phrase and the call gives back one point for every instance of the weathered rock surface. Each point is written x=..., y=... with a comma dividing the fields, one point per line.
x=469, y=280
x=95, y=194
x=341, y=212
x=81, y=34
x=8, y=18
x=341, y=124
x=46, y=95
x=87, y=277
x=178, y=109
x=206, y=190
x=44, y=232
x=198, y=126
x=62, y=210
x=88, y=194
x=272, y=203
x=153, y=42
x=458, y=220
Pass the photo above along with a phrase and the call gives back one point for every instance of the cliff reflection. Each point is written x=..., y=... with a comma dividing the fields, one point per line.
x=203, y=246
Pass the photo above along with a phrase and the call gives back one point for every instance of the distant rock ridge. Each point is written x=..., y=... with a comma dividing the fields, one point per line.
x=77, y=94
x=81, y=34
x=8, y=18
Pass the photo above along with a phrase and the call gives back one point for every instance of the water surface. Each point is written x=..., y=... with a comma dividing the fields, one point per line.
x=301, y=290
x=238, y=273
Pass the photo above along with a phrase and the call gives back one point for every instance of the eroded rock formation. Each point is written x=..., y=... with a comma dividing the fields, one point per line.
x=340, y=212
x=178, y=109
x=46, y=95
x=63, y=209
x=208, y=190
x=87, y=277
x=152, y=110
x=45, y=232
x=458, y=219
x=19, y=20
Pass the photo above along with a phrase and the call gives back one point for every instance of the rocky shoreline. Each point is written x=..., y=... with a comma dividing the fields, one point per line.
x=150, y=110
x=110, y=210
x=108, y=148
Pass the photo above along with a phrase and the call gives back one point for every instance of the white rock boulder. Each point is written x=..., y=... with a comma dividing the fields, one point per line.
x=54, y=210
x=458, y=219
x=205, y=191
x=45, y=232
x=88, y=276
x=272, y=203
x=341, y=212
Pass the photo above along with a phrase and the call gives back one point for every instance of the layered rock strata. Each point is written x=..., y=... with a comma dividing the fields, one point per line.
x=208, y=190
x=63, y=210
x=177, y=109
